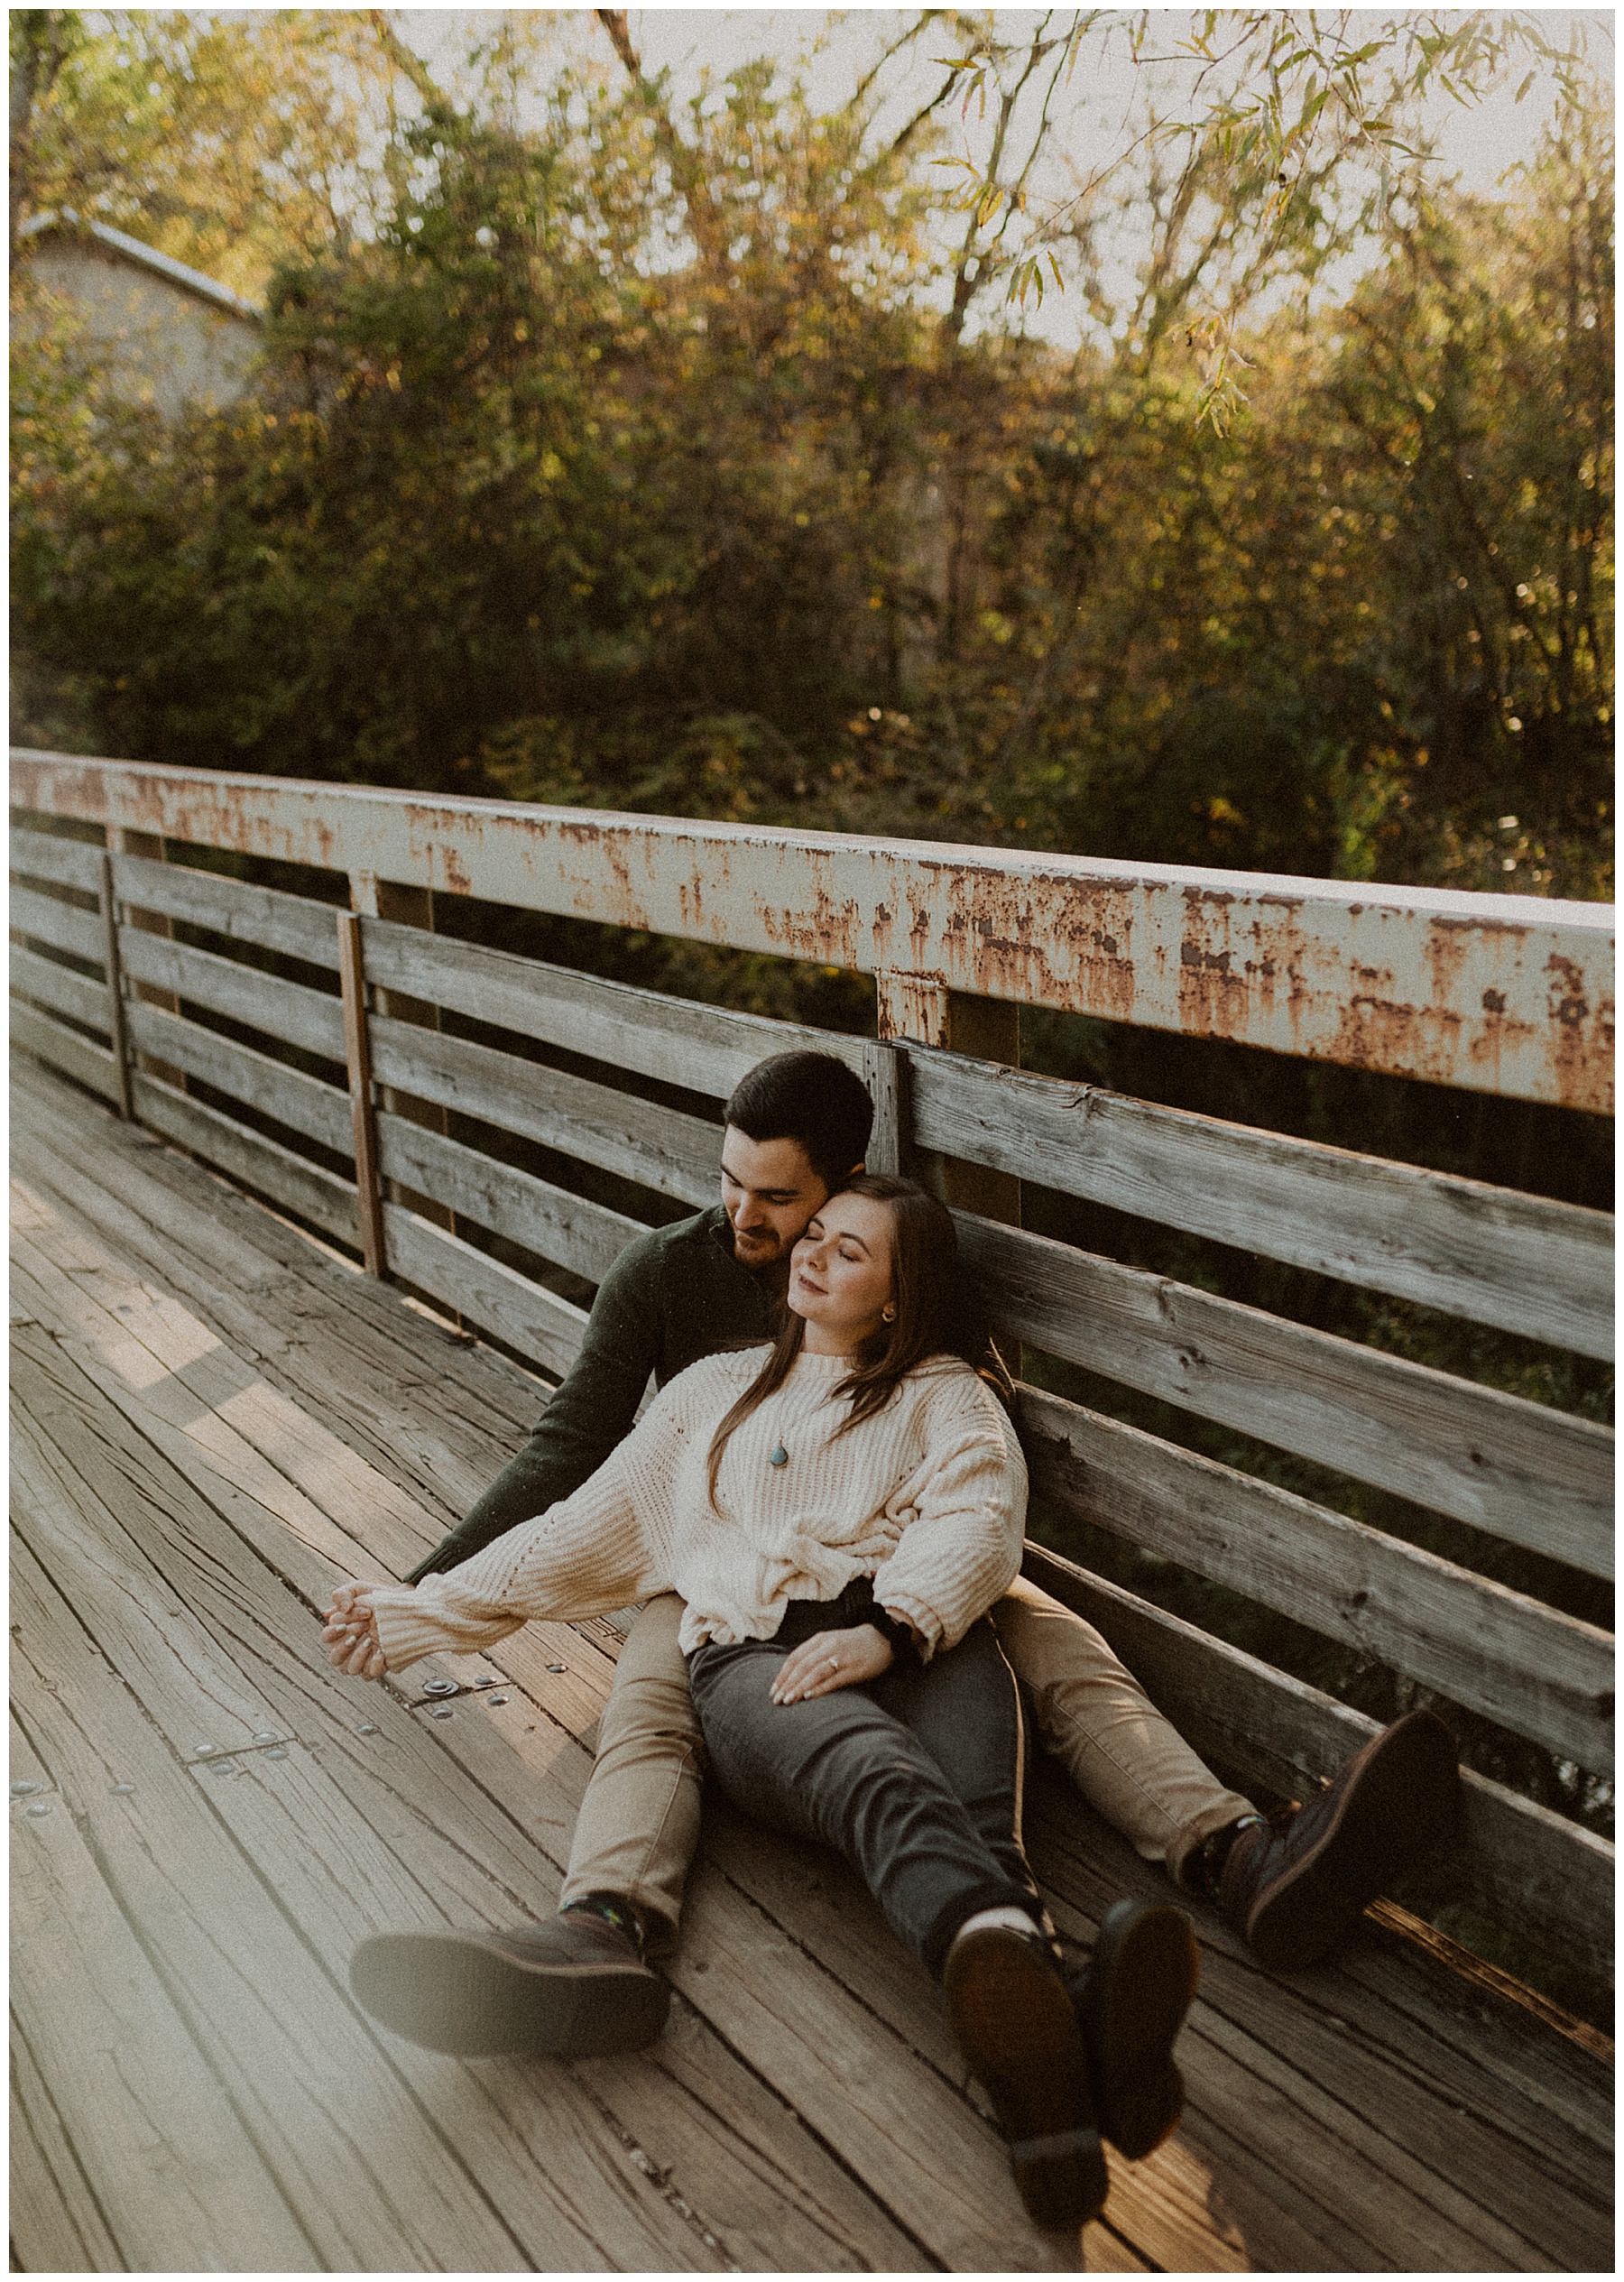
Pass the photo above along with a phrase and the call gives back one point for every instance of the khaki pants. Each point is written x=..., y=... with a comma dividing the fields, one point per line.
x=639, y=1822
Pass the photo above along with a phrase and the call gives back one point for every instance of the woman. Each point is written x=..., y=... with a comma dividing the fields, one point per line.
x=838, y=1514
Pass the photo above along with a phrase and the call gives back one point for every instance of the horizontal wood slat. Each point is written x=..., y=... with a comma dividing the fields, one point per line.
x=1544, y=1675
x=44, y=856
x=64, y=1049
x=60, y=988
x=568, y=1230
x=290, y=1181
x=271, y=1086
x=1524, y=1263
x=524, y=1316
x=618, y=1132
x=296, y=924
x=281, y=1009
x=1537, y=1477
x=1527, y=1867
x=707, y=1048
x=63, y=926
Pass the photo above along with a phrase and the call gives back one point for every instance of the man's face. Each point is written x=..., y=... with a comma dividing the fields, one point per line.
x=769, y=1192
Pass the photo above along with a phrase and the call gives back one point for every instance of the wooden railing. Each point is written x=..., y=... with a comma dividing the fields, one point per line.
x=204, y=1044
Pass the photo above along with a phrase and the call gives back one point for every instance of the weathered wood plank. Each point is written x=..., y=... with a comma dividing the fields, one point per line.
x=571, y=1230
x=1528, y=1866
x=176, y=2178
x=288, y=1011
x=249, y=1157
x=46, y=918
x=297, y=924
x=1525, y=1263
x=46, y=856
x=56, y=2227
x=707, y=1048
x=1536, y=1671
x=1535, y=1476
x=663, y=1149
x=522, y=1314
x=62, y=989
x=274, y=1088
x=64, y=1049
x=281, y=1822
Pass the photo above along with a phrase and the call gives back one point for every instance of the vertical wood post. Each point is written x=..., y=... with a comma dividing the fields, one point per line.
x=357, y=1055
x=921, y=1007
x=121, y=840
x=116, y=1012
x=885, y=1073
x=407, y=907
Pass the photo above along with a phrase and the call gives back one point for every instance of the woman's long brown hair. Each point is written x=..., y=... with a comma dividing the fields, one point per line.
x=934, y=1316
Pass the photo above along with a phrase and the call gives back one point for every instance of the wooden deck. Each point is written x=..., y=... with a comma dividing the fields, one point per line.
x=214, y=1419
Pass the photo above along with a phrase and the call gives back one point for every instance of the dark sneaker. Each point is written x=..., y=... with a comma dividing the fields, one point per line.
x=1017, y=2027
x=1131, y=1998
x=1296, y=1886
x=571, y=1986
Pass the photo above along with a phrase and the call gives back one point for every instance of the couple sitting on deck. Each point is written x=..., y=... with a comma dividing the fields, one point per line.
x=824, y=1511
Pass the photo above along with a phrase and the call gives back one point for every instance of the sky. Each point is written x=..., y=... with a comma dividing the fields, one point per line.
x=1477, y=144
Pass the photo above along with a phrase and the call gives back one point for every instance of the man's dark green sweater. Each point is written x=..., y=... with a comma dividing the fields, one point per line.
x=673, y=1296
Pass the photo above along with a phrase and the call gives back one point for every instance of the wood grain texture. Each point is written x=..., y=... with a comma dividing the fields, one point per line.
x=1535, y=1476
x=62, y=990
x=707, y=1048
x=1536, y=1671
x=299, y=925
x=1526, y=1263
x=56, y=2227
x=288, y=1011
x=175, y=2175
x=537, y=1322
x=261, y=1164
x=562, y=1227
x=661, y=1148
x=44, y=856
x=46, y=918
x=258, y=1080
x=1529, y=1868
x=64, y=1049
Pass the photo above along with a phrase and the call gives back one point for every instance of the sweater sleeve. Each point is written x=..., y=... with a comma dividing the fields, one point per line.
x=593, y=1408
x=962, y=1550
x=607, y=1544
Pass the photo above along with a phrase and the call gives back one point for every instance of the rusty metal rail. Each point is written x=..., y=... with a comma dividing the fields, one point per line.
x=1503, y=994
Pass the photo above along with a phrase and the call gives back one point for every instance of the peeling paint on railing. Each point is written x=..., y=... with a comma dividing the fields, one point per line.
x=1505, y=994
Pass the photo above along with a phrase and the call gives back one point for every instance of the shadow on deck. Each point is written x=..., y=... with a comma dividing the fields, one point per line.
x=214, y=1417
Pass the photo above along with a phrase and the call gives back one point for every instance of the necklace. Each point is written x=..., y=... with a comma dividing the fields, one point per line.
x=777, y=1455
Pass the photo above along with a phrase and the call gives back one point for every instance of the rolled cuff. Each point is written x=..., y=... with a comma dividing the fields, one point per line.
x=410, y=1624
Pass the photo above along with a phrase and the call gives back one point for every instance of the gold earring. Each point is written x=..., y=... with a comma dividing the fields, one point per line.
x=887, y=1314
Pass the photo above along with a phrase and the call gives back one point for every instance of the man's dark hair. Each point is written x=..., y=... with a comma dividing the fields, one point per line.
x=810, y=1099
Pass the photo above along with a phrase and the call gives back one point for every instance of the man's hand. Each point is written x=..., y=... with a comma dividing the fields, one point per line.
x=829, y=1660
x=351, y=1634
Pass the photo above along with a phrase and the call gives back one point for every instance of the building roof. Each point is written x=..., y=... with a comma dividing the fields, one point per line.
x=145, y=256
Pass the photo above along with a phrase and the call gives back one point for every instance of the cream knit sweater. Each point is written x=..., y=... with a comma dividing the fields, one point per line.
x=931, y=1492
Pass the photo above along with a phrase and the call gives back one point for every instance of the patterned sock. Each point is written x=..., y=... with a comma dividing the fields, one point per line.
x=1202, y=1870
x=616, y=1910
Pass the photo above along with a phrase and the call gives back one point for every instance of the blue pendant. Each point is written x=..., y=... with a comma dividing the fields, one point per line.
x=777, y=1455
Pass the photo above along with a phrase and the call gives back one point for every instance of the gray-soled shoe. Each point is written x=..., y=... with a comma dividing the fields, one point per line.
x=571, y=1986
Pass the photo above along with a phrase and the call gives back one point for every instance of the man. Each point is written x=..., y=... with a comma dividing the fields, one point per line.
x=797, y=1125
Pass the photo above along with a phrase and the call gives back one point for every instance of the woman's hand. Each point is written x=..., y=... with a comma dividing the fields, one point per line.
x=829, y=1660
x=351, y=1634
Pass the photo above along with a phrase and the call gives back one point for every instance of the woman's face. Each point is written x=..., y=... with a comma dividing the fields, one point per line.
x=840, y=1273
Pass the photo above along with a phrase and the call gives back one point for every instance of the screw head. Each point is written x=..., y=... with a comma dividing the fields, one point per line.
x=24, y=1790
x=441, y=1712
x=439, y=1687
x=206, y=1750
x=367, y=1727
x=268, y=1735
x=40, y=1807
x=497, y=1699
x=484, y=1680
x=558, y=1668
x=121, y=1790
x=277, y=1751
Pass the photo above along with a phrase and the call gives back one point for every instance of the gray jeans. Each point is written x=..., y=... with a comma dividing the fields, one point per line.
x=916, y=1778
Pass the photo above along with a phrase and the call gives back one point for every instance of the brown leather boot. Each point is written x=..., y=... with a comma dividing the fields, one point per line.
x=573, y=1985
x=1018, y=2029
x=1297, y=1885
